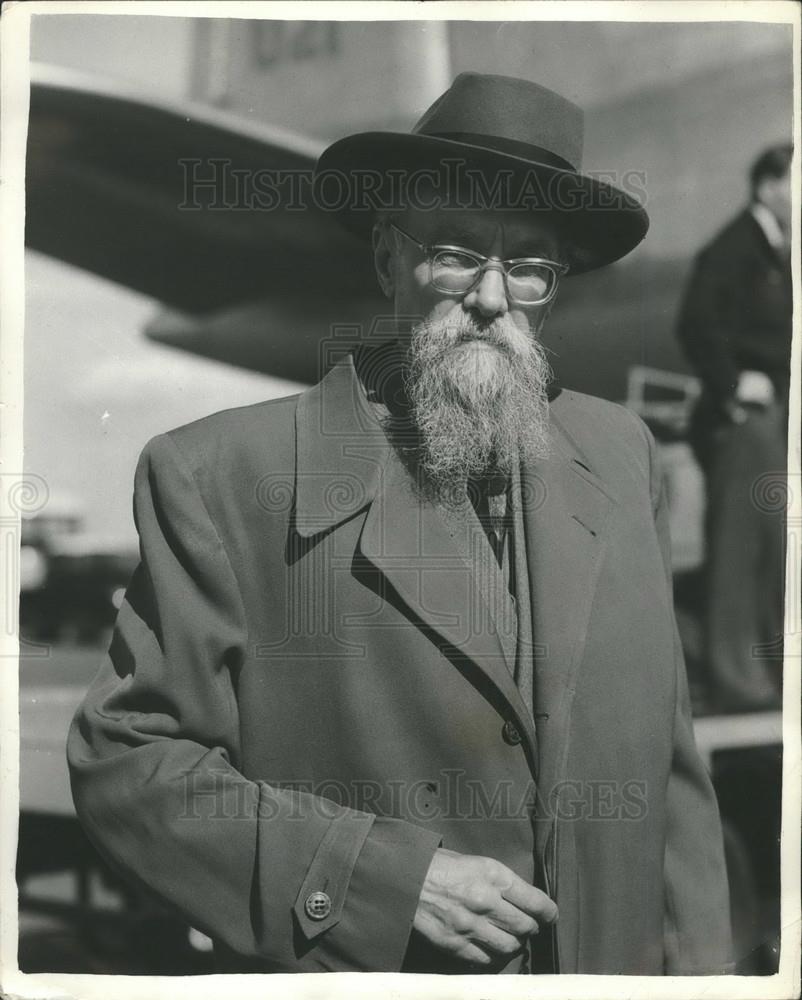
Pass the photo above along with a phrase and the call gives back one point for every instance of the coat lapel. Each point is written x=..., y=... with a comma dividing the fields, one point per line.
x=340, y=452
x=411, y=543
x=345, y=463
x=566, y=510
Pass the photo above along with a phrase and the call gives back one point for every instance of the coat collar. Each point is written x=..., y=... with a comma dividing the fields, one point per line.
x=341, y=451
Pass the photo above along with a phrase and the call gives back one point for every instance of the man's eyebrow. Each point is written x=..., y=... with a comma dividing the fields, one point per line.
x=455, y=237
x=538, y=246
x=533, y=248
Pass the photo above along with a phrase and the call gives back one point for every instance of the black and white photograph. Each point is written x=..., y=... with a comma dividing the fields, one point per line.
x=401, y=499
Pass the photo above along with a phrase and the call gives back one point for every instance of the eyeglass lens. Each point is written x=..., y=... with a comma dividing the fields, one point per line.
x=453, y=271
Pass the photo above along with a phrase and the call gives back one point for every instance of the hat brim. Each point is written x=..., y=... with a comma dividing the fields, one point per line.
x=600, y=222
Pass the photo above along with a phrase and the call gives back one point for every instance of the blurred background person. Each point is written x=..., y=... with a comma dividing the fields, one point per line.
x=735, y=326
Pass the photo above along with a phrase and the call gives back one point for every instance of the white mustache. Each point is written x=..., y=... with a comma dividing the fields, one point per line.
x=497, y=334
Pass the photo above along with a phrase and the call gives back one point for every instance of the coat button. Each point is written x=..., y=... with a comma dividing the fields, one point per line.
x=318, y=905
x=510, y=733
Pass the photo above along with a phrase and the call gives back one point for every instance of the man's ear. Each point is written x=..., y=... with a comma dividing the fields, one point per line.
x=383, y=258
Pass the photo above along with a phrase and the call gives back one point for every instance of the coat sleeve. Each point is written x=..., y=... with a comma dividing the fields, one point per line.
x=697, y=932
x=708, y=319
x=154, y=752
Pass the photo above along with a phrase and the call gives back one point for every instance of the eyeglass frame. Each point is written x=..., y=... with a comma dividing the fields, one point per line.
x=485, y=263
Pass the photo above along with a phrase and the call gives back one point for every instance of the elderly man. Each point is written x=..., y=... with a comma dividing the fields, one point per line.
x=397, y=684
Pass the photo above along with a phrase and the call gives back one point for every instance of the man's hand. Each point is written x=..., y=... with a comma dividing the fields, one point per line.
x=477, y=909
x=755, y=388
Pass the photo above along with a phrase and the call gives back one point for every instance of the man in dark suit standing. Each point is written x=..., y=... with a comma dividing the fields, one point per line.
x=735, y=326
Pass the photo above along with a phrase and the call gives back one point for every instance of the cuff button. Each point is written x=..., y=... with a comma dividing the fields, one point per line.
x=318, y=905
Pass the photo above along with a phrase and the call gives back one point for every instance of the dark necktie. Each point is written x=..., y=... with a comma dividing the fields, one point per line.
x=489, y=497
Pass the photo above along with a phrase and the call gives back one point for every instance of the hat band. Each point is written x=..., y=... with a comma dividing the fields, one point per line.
x=498, y=144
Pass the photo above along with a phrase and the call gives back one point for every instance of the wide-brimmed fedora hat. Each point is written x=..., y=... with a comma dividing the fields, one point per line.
x=488, y=142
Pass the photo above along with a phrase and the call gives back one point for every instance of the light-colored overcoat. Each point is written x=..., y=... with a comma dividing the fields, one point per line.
x=305, y=693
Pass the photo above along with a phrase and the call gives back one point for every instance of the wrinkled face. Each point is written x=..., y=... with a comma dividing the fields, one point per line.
x=476, y=374
x=403, y=270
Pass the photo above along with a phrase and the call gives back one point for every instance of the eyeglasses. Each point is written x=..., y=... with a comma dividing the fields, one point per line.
x=528, y=280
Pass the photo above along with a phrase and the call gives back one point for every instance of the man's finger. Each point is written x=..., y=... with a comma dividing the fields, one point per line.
x=530, y=899
x=514, y=920
x=493, y=939
x=474, y=954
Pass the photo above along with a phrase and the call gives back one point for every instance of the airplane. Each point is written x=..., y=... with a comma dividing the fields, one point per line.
x=107, y=174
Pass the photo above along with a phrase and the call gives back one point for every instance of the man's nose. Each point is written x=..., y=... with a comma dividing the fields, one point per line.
x=489, y=297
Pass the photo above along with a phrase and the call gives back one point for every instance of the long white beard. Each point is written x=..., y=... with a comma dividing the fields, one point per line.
x=474, y=410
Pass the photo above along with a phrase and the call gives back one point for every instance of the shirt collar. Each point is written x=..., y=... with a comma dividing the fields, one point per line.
x=767, y=221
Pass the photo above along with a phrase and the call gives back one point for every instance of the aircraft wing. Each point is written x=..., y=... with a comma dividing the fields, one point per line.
x=112, y=180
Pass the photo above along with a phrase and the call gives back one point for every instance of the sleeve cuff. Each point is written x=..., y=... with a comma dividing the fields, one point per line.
x=375, y=923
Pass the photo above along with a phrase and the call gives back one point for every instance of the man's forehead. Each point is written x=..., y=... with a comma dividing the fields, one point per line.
x=480, y=228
